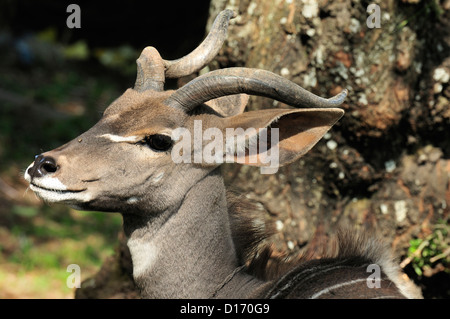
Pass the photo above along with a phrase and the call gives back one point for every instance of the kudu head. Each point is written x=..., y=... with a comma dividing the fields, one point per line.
x=126, y=161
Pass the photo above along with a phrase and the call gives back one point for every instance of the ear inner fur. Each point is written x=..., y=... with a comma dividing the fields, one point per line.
x=299, y=130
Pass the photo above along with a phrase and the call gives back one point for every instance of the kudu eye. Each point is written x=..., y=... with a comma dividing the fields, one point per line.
x=159, y=142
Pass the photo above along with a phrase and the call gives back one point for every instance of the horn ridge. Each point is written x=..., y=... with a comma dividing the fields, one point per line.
x=152, y=70
x=205, y=52
x=250, y=81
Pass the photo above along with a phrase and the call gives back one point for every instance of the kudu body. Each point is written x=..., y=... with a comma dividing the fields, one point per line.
x=179, y=228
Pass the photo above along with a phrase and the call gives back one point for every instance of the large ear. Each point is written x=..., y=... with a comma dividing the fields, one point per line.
x=281, y=136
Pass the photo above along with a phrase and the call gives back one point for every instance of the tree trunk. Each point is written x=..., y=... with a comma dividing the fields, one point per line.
x=385, y=165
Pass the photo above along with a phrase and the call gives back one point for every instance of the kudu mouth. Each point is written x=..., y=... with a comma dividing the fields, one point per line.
x=40, y=175
x=68, y=196
x=35, y=187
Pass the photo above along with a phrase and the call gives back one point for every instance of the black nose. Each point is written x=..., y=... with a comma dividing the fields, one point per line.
x=43, y=165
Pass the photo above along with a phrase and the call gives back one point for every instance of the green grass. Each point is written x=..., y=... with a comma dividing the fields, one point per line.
x=44, y=240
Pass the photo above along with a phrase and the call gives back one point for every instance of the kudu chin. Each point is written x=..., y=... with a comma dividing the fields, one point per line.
x=185, y=237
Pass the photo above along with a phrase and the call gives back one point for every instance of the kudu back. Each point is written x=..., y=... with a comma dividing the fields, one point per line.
x=151, y=157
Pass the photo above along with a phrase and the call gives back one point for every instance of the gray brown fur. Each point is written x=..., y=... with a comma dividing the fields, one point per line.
x=186, y=237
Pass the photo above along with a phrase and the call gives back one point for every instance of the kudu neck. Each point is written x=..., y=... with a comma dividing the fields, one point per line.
x=189, y=252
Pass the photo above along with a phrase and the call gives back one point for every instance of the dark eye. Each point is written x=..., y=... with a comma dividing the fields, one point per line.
x=159, y=142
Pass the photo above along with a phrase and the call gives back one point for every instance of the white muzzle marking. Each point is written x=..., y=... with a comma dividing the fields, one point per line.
x=51, y=189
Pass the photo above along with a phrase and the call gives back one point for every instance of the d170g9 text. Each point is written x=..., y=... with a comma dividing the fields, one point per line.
x=246, y=308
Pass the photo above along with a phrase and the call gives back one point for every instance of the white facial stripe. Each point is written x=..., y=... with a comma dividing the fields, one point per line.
x=118, y=138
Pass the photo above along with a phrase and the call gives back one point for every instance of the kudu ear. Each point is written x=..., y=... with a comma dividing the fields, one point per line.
x=281, y=136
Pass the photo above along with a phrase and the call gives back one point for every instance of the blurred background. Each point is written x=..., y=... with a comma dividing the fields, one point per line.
x=55, y=83
x=384, y=166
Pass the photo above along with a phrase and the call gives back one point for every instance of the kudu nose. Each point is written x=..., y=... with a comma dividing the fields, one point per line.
x=43, y=165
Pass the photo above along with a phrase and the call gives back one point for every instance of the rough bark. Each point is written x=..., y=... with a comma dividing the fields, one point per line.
x=385, y=166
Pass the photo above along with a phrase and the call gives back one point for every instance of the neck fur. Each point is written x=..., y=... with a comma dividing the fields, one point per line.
x=189, y=252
